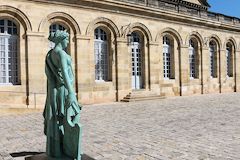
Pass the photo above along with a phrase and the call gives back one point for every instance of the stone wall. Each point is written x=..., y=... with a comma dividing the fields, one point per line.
x=34, y=19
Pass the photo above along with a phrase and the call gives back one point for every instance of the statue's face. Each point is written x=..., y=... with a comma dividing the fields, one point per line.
x=65, y=42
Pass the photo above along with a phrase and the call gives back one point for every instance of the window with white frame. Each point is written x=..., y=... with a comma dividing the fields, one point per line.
x=229, y=57
x=101, y=55
x=53, y=28
x=213, y=59
x=9, y=60
x=193, y=59
x=167, y=58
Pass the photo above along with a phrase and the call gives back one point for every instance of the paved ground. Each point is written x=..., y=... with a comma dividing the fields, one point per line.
x=181, y=128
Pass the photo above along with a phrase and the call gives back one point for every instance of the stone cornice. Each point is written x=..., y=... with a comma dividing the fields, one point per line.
x=205, y=19
x=83, y=37
x=35, y=34
x=152, y=43
x=121, y=40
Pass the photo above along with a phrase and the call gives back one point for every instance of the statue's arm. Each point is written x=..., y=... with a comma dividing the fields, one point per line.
x=64, y=69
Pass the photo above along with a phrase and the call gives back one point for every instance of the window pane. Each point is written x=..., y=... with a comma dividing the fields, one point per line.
x=14, y=31
x=60, y=27
x=135, y=37
x=2, y=67
x=9, y=23
x=55, y=27
x=100, y=34
x=2, y=22
x=2, y=29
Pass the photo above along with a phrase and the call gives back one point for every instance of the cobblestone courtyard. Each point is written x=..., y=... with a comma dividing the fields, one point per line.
x=205, y=127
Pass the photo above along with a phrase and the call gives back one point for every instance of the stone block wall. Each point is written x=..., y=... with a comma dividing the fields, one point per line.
x=34, y=19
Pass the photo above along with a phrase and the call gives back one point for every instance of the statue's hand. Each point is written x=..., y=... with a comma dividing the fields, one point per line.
x=60, y=119
x=72, y=117
x=71, y=98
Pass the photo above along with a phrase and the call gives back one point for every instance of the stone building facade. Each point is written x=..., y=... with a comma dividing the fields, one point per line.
x=119, y=48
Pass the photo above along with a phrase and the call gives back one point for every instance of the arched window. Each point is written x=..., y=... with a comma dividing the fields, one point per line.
x=193, y=59
x=229, y=56
x=101, y=55
x=168, y=58
x=53, y=28
x=213, y=59
x=9, y=59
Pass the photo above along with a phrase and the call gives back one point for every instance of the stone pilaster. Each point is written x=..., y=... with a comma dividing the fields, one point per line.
x=227, y=83
x=238, y=71
x=123, y=63
x=36, y=78
x=225, y=80
x=222, y=72
x=85, y=68
x=205, y=70
x=184, y=70
x=155, y=63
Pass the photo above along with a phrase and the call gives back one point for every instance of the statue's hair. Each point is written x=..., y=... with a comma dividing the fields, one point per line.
x=58, y=36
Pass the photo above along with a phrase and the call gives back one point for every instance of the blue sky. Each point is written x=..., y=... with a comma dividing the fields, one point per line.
x=227, y=7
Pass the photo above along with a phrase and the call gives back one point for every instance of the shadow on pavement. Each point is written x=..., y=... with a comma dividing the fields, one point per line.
x=40, y=156
x=86, y=157
x=23, y=154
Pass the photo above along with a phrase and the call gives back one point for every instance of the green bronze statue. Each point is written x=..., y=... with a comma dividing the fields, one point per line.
x=62, y=110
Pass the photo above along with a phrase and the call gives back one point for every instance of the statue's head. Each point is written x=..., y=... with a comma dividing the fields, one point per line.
x=59, y=37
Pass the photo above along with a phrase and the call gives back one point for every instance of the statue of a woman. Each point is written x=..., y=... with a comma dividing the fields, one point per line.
x=62, y=110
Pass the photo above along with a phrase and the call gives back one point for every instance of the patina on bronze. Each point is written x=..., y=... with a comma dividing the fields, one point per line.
x=62, y=110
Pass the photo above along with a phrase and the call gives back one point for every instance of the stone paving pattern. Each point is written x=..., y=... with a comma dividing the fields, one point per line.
x=204, y=127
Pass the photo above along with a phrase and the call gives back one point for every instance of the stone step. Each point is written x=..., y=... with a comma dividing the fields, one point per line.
x=141, y=95
x=142, y=92
x=131, y=99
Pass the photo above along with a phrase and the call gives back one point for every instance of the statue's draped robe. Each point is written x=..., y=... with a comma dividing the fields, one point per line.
x=61, y=123
x=54, y=108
